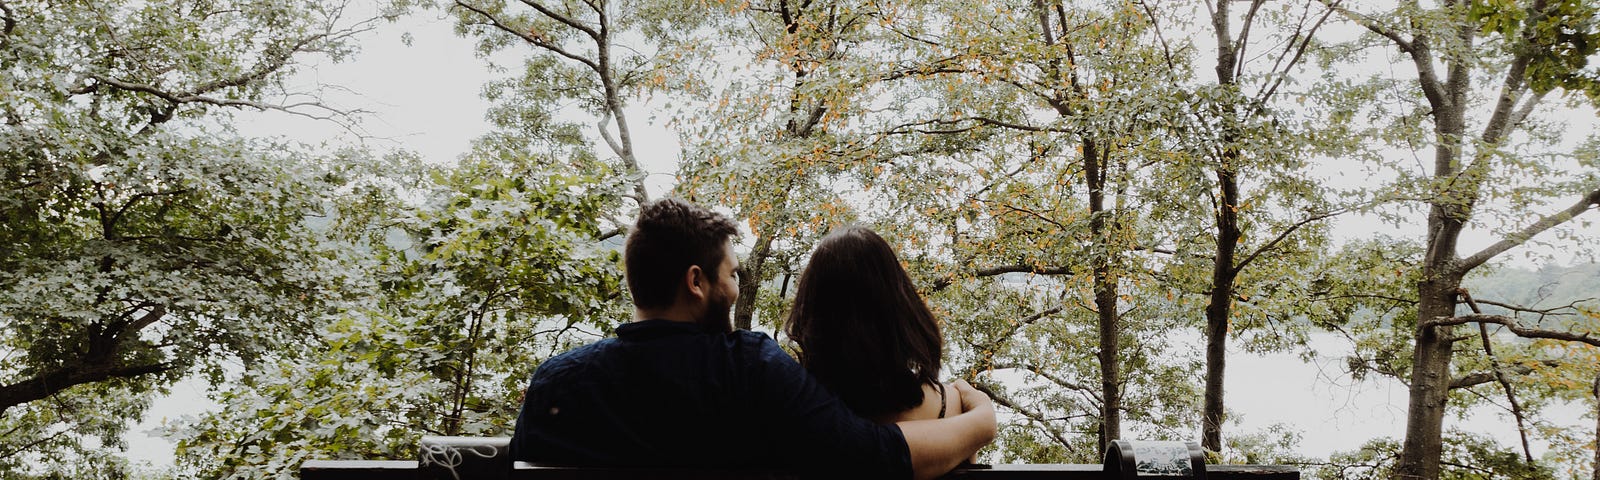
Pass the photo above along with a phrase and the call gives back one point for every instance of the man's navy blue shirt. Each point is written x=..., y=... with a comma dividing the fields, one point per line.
x=672, y=394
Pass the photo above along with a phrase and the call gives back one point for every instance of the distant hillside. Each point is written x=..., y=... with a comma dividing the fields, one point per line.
x=1547, y=287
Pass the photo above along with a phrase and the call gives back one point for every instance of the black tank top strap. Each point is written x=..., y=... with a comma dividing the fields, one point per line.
x=940, y=387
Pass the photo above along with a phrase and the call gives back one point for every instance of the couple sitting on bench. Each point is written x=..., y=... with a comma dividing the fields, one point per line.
x=678, y=387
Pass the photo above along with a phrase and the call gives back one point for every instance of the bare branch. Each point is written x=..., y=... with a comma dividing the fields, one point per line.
x=1244, y=37
x=1373, y=365
x=942, y=283
x=155, y=313
x=24, y=448
x=1161, y=38
x=1526, y=109
x=1406, y=301
x=983, y=120
x=1037, y=417
x=1284, y=235
x=1494, y=366
x=1568, y=309
x=1092, y=392
x=1512, y=325
x=274, y=60
x=1421, y=54
x=180, y=99
x=1044, y=22
x=1370, y=24
x=1527, y=233
x=1480, y=378
x=991, y=346
x=605, y=133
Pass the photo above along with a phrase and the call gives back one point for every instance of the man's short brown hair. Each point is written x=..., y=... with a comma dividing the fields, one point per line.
x=670, y=236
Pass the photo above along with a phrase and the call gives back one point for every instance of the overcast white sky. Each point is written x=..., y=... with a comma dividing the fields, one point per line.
x=425, y=98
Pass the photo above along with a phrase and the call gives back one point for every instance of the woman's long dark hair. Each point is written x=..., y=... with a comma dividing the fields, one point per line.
x=862, y=329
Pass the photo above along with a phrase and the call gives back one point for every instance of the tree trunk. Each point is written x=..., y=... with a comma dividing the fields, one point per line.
x=1105, y=302
x=1105, y=296
x=1436, y=297
x=1430, y=383
x=1450, y=208
x=750, y=281
x=1223, y=273
x=1597, y=426
x=1219, y=310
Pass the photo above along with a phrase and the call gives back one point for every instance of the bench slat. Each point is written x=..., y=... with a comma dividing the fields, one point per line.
x=407, y=470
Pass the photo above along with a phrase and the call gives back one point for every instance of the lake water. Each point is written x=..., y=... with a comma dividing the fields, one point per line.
x=1331, y=411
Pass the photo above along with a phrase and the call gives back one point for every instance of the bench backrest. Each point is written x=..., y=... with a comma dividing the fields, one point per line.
x=479, y=458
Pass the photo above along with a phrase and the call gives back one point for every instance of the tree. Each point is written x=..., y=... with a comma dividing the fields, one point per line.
x=477, y=272
x=145, y=240
x=1243, y=137
x=581, y=49
x=1088, y=63
x=498, y=268
x=1480, y=458
x=778, y=143
x=1531, y=49
x=1060, y=105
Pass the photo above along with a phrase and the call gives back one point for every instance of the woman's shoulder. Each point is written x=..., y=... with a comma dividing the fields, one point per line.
x=936, y=398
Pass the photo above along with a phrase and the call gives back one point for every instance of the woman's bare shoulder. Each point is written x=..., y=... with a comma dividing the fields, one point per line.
x=929, y=408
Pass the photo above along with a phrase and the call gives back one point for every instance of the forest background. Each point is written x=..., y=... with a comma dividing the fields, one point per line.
x=1083, y=191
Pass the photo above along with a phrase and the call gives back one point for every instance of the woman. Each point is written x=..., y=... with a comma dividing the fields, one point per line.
x=865, y=333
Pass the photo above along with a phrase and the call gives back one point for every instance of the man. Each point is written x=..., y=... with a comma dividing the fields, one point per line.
x=678, y=387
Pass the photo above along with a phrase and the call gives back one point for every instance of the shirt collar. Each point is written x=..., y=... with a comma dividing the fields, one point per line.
x=656, y=327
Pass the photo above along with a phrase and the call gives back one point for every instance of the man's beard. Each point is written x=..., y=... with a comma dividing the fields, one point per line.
x=718, y=316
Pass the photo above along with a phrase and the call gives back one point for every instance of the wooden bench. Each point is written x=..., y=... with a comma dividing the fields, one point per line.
x=477, y=458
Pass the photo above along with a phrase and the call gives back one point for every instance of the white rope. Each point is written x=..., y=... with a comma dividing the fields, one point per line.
x=449, y=456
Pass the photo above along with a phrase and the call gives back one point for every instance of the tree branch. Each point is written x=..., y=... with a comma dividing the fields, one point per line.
x=990, y=347
x=1369, y=24
x=942, y=283
x=179, y=99
x=568, y=21
x=1571, y=308
x=1512, y=325
x=32, y=444
x=1282, y=236
x=983, y=120
x=1244, y=37
x=1526, y=108
x=1092, y=392
x=1494, y=366
x=274, y=59
x=1480, y=378
x=1299, y=52
x=528, y=37
x=49, y=383
x=1527, y=233
x=1417, y=48
x=1037, y=417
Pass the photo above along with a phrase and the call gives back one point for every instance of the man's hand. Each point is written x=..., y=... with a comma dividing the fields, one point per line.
x=939, y=445
x=971, y=398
